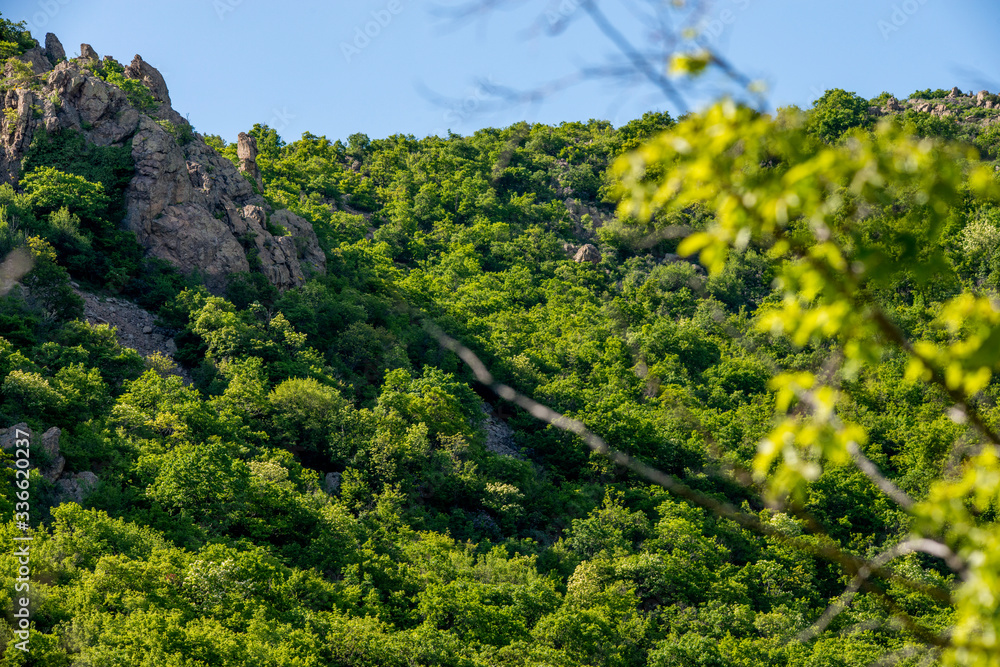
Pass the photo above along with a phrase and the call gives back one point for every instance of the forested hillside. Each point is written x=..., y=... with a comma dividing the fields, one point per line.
x=306, y=476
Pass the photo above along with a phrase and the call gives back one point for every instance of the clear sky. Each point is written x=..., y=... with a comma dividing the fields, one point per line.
x=232, y=63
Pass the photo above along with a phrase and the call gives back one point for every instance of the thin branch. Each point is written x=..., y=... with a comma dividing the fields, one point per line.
x=822, y=548
x=638, y=61
x=875, y=475
x=911, y=546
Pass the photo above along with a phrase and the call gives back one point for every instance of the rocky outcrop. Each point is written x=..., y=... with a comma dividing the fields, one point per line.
x=50, y=445
x=9, y=435
x=77, y=487
x=36, y=59
x=87, y=52
x=54, y=50
x=50, y=463
x=331, y=482
x=151, y=77
x=186, y=203
x=246, y=151
x=587, y=253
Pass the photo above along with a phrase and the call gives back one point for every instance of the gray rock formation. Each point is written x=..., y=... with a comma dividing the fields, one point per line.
x=149, y=75
x=77, y=487
x=186, y=203
x=955, y=92
x=54, y=50
x=9, y=435
x=331, y=482
x=36, y=59
x=50, y=444
x=587, y=253
x=87, y=52
x=246, y=151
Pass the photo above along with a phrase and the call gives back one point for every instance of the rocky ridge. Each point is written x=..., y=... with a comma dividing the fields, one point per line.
x=186, y=204
x=957, y=104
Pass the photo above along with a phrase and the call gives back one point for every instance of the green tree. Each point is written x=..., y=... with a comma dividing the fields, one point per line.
x=836, y=112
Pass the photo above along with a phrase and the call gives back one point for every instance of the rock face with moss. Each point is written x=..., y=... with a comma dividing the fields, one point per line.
x=186, y=203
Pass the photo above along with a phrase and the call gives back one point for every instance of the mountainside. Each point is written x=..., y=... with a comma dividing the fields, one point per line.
x=250, y=443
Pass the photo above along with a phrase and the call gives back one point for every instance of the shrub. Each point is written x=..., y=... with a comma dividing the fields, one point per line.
x=137, y=92
x=49, y=190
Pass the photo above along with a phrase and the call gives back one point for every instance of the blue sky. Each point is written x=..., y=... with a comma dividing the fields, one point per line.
x=232, y=63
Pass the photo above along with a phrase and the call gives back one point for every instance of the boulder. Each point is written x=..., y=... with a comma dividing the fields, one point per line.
x=955, y=92
x=892, y=104
x=54, y=50
x=587, y=253
x=77, y=487
x=50, y=442
x=9, y=435
x=87, y=52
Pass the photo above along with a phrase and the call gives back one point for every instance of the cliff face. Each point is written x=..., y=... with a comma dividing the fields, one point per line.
x=186, y=204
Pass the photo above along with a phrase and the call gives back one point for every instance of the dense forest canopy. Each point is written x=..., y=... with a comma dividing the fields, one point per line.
x=749, y=303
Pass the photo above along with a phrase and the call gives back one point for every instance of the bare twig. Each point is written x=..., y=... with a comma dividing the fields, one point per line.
x=911, y=546
x=824, y=548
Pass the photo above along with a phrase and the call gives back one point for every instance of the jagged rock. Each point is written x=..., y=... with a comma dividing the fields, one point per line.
x=54, y=50
x=246, y=151
x=9, y=435
x=50, y=444
x=50, y=441
x=311, y=257
x=587, y=253
x=149, y=75
x=37, y=60
x=77, y=486
x=892, y=104
x=955, y=92
x=187, y=236
x=87, y=52
x=16, y=132
x=923, y=107
x=499, y=435
x=331, y=482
